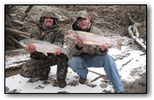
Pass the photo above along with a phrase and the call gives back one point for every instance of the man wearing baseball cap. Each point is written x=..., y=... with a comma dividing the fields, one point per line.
x=92, y=56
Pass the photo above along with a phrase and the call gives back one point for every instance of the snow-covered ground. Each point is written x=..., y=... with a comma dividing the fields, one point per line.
x=15, y=58
x=130, y=63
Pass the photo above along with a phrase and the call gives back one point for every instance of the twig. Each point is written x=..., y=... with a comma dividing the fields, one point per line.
x=16, y=42
x=135, y=24
x=94, y=72
x=125, y=63
x=17, y=22
x=26, y=12
x=100, y=75
x=9, y=40
x=133, y=32
x=135, y=38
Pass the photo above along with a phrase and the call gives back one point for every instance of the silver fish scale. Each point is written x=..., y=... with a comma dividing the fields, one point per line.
x=42, y=46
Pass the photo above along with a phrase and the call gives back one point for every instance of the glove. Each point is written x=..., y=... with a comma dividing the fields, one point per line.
x=104, y=47
x=79, y=42
x=31, y=48
x=57, y=51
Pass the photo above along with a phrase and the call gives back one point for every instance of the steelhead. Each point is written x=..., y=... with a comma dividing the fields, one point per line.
x=93, y=39
x=42, y=46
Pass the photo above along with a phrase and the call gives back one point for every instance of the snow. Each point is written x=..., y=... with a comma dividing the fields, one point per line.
x=137, y=62
x=11, y=61
x=130, y=63
x=22, y=85
x=16, y=59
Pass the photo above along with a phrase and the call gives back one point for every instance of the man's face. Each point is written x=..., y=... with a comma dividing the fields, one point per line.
x=48, y=21
x=84, y=23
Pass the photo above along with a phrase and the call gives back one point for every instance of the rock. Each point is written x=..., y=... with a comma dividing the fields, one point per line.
x=138, y=86
x=32, y=80
x=55, y=83
x=91, y=85
x=73, y=83
x=46, y=82
x=104, y=85
x=13, y=91
x=39, y=87
x=6, y=89
x=107, y=91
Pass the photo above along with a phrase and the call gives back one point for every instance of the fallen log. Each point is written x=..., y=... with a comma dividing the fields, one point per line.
x=15, y=42
x=26, y=12
x=9, y=41
x=136, y=39
x=134, y=33
x=17, y=32
x=17, y=22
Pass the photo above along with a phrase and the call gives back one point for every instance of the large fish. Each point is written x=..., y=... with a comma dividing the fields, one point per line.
x=42, y=46
x=93, y=39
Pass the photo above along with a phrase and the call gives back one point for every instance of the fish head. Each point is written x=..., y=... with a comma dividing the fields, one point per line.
x=72, y=33
x=25, y=42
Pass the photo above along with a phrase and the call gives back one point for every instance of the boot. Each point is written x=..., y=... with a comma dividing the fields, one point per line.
x=62, y=83
x=59, y=83
x=31, y=80
x=44, y=78
x=82, y=80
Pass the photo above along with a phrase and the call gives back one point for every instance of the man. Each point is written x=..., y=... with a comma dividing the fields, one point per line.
x=38, y=67
x=86, y=56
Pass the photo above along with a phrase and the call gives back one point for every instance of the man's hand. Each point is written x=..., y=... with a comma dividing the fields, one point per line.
x=31, y=48
x=57, y=51
x=79, y=42
x=104, y=46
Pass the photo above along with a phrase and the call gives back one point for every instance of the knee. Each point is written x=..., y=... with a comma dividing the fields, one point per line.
x=108, y=57
x=75, y=61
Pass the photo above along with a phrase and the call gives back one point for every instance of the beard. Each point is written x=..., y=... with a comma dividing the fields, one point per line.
x=48, y=23
x=85, y=27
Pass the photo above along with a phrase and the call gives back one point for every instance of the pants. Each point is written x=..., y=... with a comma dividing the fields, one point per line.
x=80, y=65
x=39, y=66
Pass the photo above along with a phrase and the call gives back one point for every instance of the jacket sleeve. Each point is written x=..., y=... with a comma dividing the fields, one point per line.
x=69, y=44
x=74, y=50
x=97, y=49
x=92, y=49
x=99, y=52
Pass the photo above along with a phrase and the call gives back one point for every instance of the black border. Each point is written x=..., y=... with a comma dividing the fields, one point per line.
x=92, y=94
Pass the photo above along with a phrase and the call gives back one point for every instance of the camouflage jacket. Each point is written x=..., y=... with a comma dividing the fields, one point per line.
x=87, y=49
x=53, y=34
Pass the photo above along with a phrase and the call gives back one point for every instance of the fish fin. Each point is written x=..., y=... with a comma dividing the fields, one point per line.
x=45, y=54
